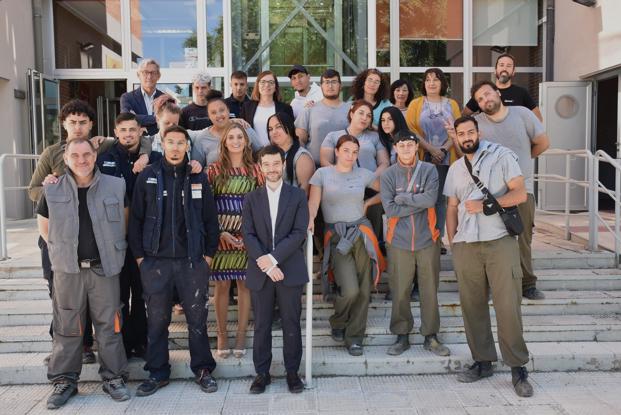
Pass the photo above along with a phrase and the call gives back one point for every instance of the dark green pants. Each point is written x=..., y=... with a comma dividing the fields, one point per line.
x=352, y=274
x=525, y=240
x=402, y=265
x=494, y=265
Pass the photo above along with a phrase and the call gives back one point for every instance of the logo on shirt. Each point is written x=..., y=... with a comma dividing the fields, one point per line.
x=109, y=163
x=152, y=180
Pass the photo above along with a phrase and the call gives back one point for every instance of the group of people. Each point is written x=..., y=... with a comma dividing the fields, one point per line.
x=225, y=190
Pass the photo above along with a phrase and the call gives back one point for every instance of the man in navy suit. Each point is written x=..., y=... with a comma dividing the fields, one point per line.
x=274, y=223
x=140, y=100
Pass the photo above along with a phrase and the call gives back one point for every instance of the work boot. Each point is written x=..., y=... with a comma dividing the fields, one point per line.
x=338, y=335
x=117, y=389
x=519, y=376
x=533, y=294
x=434, y=346
x=88, y=356
x=400, y=346
x=150, y=386
x=477, y=371
x=63, y=391
x=355, y=349
x=206, y=381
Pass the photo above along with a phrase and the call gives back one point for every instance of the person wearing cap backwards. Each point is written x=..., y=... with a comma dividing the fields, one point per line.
x=409, y=189
x=306, y=94
x=173, y=234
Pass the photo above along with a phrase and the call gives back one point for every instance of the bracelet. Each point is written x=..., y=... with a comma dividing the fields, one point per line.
x=445, y=151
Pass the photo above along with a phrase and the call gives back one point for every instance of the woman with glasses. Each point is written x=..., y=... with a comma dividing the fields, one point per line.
x=299, y=164
x=373, y=87
x=431, y=116
x=264, y=102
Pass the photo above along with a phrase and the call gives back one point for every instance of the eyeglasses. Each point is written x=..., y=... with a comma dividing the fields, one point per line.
x=332, y=82
x=372, y=81
x=267, y=83
x=150, y=73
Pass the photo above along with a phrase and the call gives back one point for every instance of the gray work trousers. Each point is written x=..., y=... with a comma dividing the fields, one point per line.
x=71, y=294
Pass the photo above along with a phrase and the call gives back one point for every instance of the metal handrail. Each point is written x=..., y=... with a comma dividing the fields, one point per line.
x=3, y=241
x=308, y=365
x=594, y=187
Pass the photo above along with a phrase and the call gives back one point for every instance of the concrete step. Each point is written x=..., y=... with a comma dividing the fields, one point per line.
x=568, y=328
x=39, y=312
x=542, y=260
x=12, y=289
x=28, y=368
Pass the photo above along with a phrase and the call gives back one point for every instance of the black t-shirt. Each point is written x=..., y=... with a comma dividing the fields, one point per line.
x=87, y=245
x=513, y=96
x=194, y=117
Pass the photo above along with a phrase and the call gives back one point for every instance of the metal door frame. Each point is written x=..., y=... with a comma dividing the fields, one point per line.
x=34, y=76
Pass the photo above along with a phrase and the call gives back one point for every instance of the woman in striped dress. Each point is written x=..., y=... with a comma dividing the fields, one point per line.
x=231, y=177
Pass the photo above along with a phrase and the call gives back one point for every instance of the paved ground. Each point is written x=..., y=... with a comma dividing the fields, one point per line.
x=555, y=393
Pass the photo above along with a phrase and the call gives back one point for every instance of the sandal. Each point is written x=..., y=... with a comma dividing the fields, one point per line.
x=239, y=353
x=223, y=352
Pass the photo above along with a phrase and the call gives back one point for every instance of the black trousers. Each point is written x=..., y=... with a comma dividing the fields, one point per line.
x=134, y=313
x=289, y=301
x=48, y=274
x=160, y=276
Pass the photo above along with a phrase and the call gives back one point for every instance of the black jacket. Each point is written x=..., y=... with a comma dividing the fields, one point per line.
x=119, y=162
x=249, y=108
x=289, y=236
x=148, y=235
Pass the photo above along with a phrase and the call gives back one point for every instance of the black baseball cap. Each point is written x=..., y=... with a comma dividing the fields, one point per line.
x=405, y=135
x=297, y=68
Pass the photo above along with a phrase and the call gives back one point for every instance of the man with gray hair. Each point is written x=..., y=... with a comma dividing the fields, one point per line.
x=194, y=116
x=140, y=100
x=82, y=219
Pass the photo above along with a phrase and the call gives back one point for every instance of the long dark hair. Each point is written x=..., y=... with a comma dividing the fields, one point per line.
x=288, y=125
x=400, y=124
x=398, y=84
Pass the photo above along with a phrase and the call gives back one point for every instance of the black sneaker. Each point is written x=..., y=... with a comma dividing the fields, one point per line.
x=477, y=371
x=150, y=386
x=63, y=391
x=260, y=382
x=207, y=382
x=533, y=294
x=338, y=335
x=88, y=356
x=117, y=389
x=294, y=382
x=519, y=376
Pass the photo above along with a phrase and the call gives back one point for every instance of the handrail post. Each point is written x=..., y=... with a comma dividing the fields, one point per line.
x=567, y=189
x=593, y=203
x=617, y=214
x=4, y=254
x=308, y=366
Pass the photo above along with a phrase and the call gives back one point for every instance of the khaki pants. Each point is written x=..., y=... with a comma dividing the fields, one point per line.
x=71, y=293
x=352, y=273
x=493, y=264
x=402, y=266
x=525, y=240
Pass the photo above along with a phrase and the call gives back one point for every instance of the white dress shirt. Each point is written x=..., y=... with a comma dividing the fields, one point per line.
x=273, y=197
x=148, y=100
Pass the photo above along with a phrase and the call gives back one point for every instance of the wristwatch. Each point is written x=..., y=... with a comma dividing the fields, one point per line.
x=445, y=151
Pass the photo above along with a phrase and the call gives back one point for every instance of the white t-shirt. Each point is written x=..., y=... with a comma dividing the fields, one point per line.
x=260, y=123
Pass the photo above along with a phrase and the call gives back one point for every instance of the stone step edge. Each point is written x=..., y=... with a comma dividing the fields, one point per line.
x=335, y=361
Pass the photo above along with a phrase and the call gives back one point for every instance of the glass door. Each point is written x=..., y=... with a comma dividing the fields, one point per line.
x=44, y=99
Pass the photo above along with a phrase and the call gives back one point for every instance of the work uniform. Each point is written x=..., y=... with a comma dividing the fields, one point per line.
x=86, y=256
x=173, y=225
x=486, y=257
x=412, y=241
x=119, y=162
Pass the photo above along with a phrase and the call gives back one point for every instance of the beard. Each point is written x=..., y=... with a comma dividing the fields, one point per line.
x=492, y=108
x=503, y=77
x=335, y=96
x=470, y=150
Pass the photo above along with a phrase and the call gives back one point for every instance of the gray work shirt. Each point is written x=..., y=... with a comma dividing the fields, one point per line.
x=516, y=132
x=495, y=166
x=318, y=121
x=370, y=145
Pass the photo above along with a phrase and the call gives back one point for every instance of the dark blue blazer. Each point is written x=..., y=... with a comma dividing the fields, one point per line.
x=133, y=101
x=289, y=237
